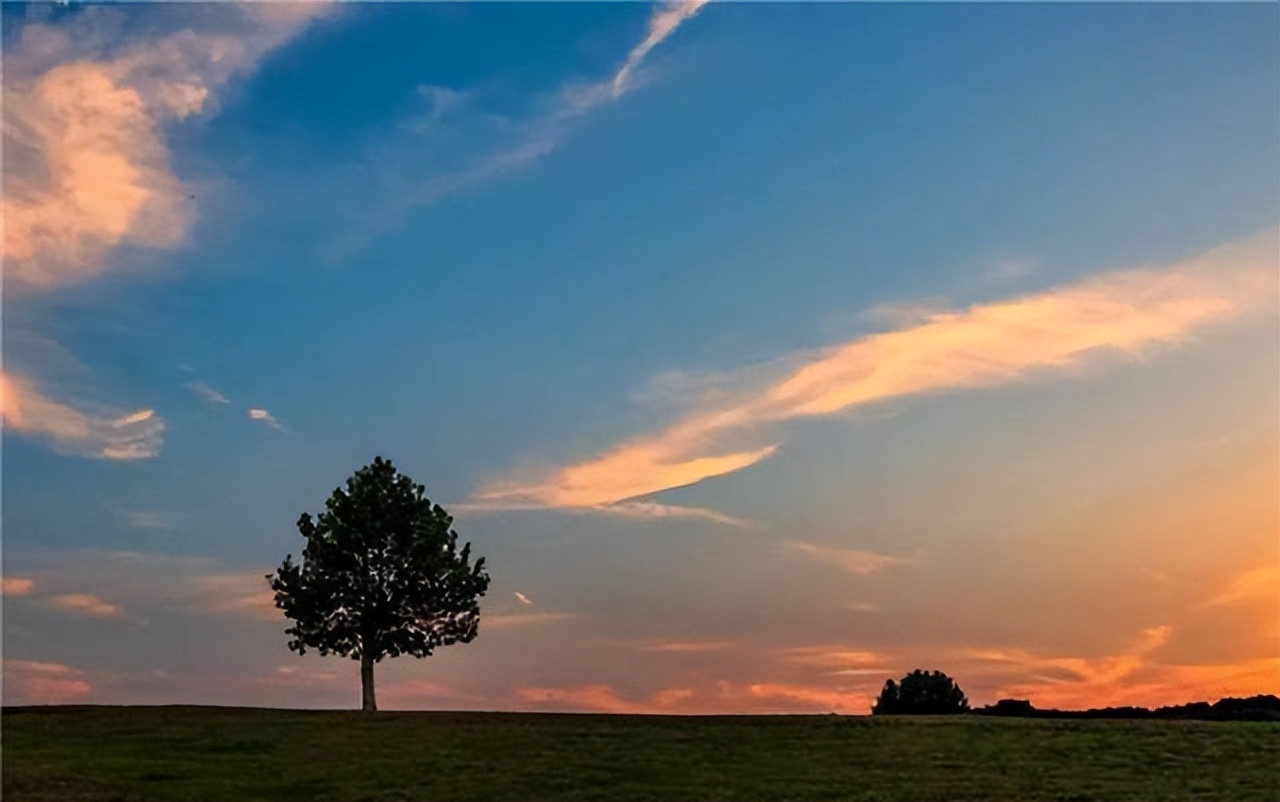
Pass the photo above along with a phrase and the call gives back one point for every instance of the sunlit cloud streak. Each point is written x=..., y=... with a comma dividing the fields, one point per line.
x=719, y=697
x=30, y=682
x=82, y=580
x=85, y=604
x=78, y=429
x=508, y=620
x=684, y=646
x=643, y=510
x=1252, y=585
x=666, y=18
x=1128, y=313
x=854, y=561
x=16, y=586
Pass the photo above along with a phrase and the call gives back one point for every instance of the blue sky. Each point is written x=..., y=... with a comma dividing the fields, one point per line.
x=670, y=304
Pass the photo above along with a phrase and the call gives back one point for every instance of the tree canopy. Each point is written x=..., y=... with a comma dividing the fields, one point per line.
x=381, y=575
x=921, y=693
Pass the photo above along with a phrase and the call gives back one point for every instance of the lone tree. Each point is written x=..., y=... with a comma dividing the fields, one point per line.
x=929, y=693
x=381, y=576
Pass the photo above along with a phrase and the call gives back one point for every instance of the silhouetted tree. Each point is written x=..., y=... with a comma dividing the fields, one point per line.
x=921, y=693
x=380, y=576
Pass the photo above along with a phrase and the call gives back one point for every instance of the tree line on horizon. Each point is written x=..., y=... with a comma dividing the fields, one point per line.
x=933, y=693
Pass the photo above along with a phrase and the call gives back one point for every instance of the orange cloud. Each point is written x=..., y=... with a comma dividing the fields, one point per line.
x=836, y=657
x=851, y=560
x=1135, y=677
x=774, y=697
x=102, y=433
x=644, y=510
x=85, y=604
x=233, y=594
x=686, y=645
x=16, y=586
x=1129, y=312
x=720, y=697
x=1261, y=583
x=27, y=682
x=88, y=165
x=298, y=677
x=500, y=621
x=601, y=698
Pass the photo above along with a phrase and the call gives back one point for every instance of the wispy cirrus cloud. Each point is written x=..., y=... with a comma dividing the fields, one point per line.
x=1128, y=312
x=85, y=130
x=207, y=393
x=666, y=18
x=80, y=429
x=145, y=519
x=854, y=561
x=536, y=136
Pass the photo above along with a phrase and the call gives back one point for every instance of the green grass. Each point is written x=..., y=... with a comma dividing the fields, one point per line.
x=189, y=753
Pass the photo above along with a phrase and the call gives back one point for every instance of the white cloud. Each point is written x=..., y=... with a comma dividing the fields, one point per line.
x=207, y=393
x=259, y=414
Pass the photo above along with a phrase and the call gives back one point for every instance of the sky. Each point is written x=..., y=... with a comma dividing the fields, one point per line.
x=765, y=351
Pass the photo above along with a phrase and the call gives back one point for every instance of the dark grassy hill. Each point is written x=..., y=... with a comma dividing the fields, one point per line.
x=193, y=753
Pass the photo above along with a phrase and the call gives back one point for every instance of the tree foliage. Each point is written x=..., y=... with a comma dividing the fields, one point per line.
x=381, y=575
x=921, y=693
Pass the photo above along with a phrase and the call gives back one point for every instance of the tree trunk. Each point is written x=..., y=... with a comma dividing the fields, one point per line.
x=367, y=699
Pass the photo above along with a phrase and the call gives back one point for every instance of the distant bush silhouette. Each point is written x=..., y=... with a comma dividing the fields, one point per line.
x=1010, y=707
x=924, y=693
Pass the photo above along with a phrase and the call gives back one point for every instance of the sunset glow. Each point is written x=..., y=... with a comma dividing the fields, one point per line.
x=765, y=351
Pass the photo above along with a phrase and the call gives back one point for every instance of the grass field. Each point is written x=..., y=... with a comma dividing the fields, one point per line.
x=189, y=753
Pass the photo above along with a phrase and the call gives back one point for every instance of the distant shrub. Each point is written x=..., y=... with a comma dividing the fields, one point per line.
x=925, y=693
x=1010, y=707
